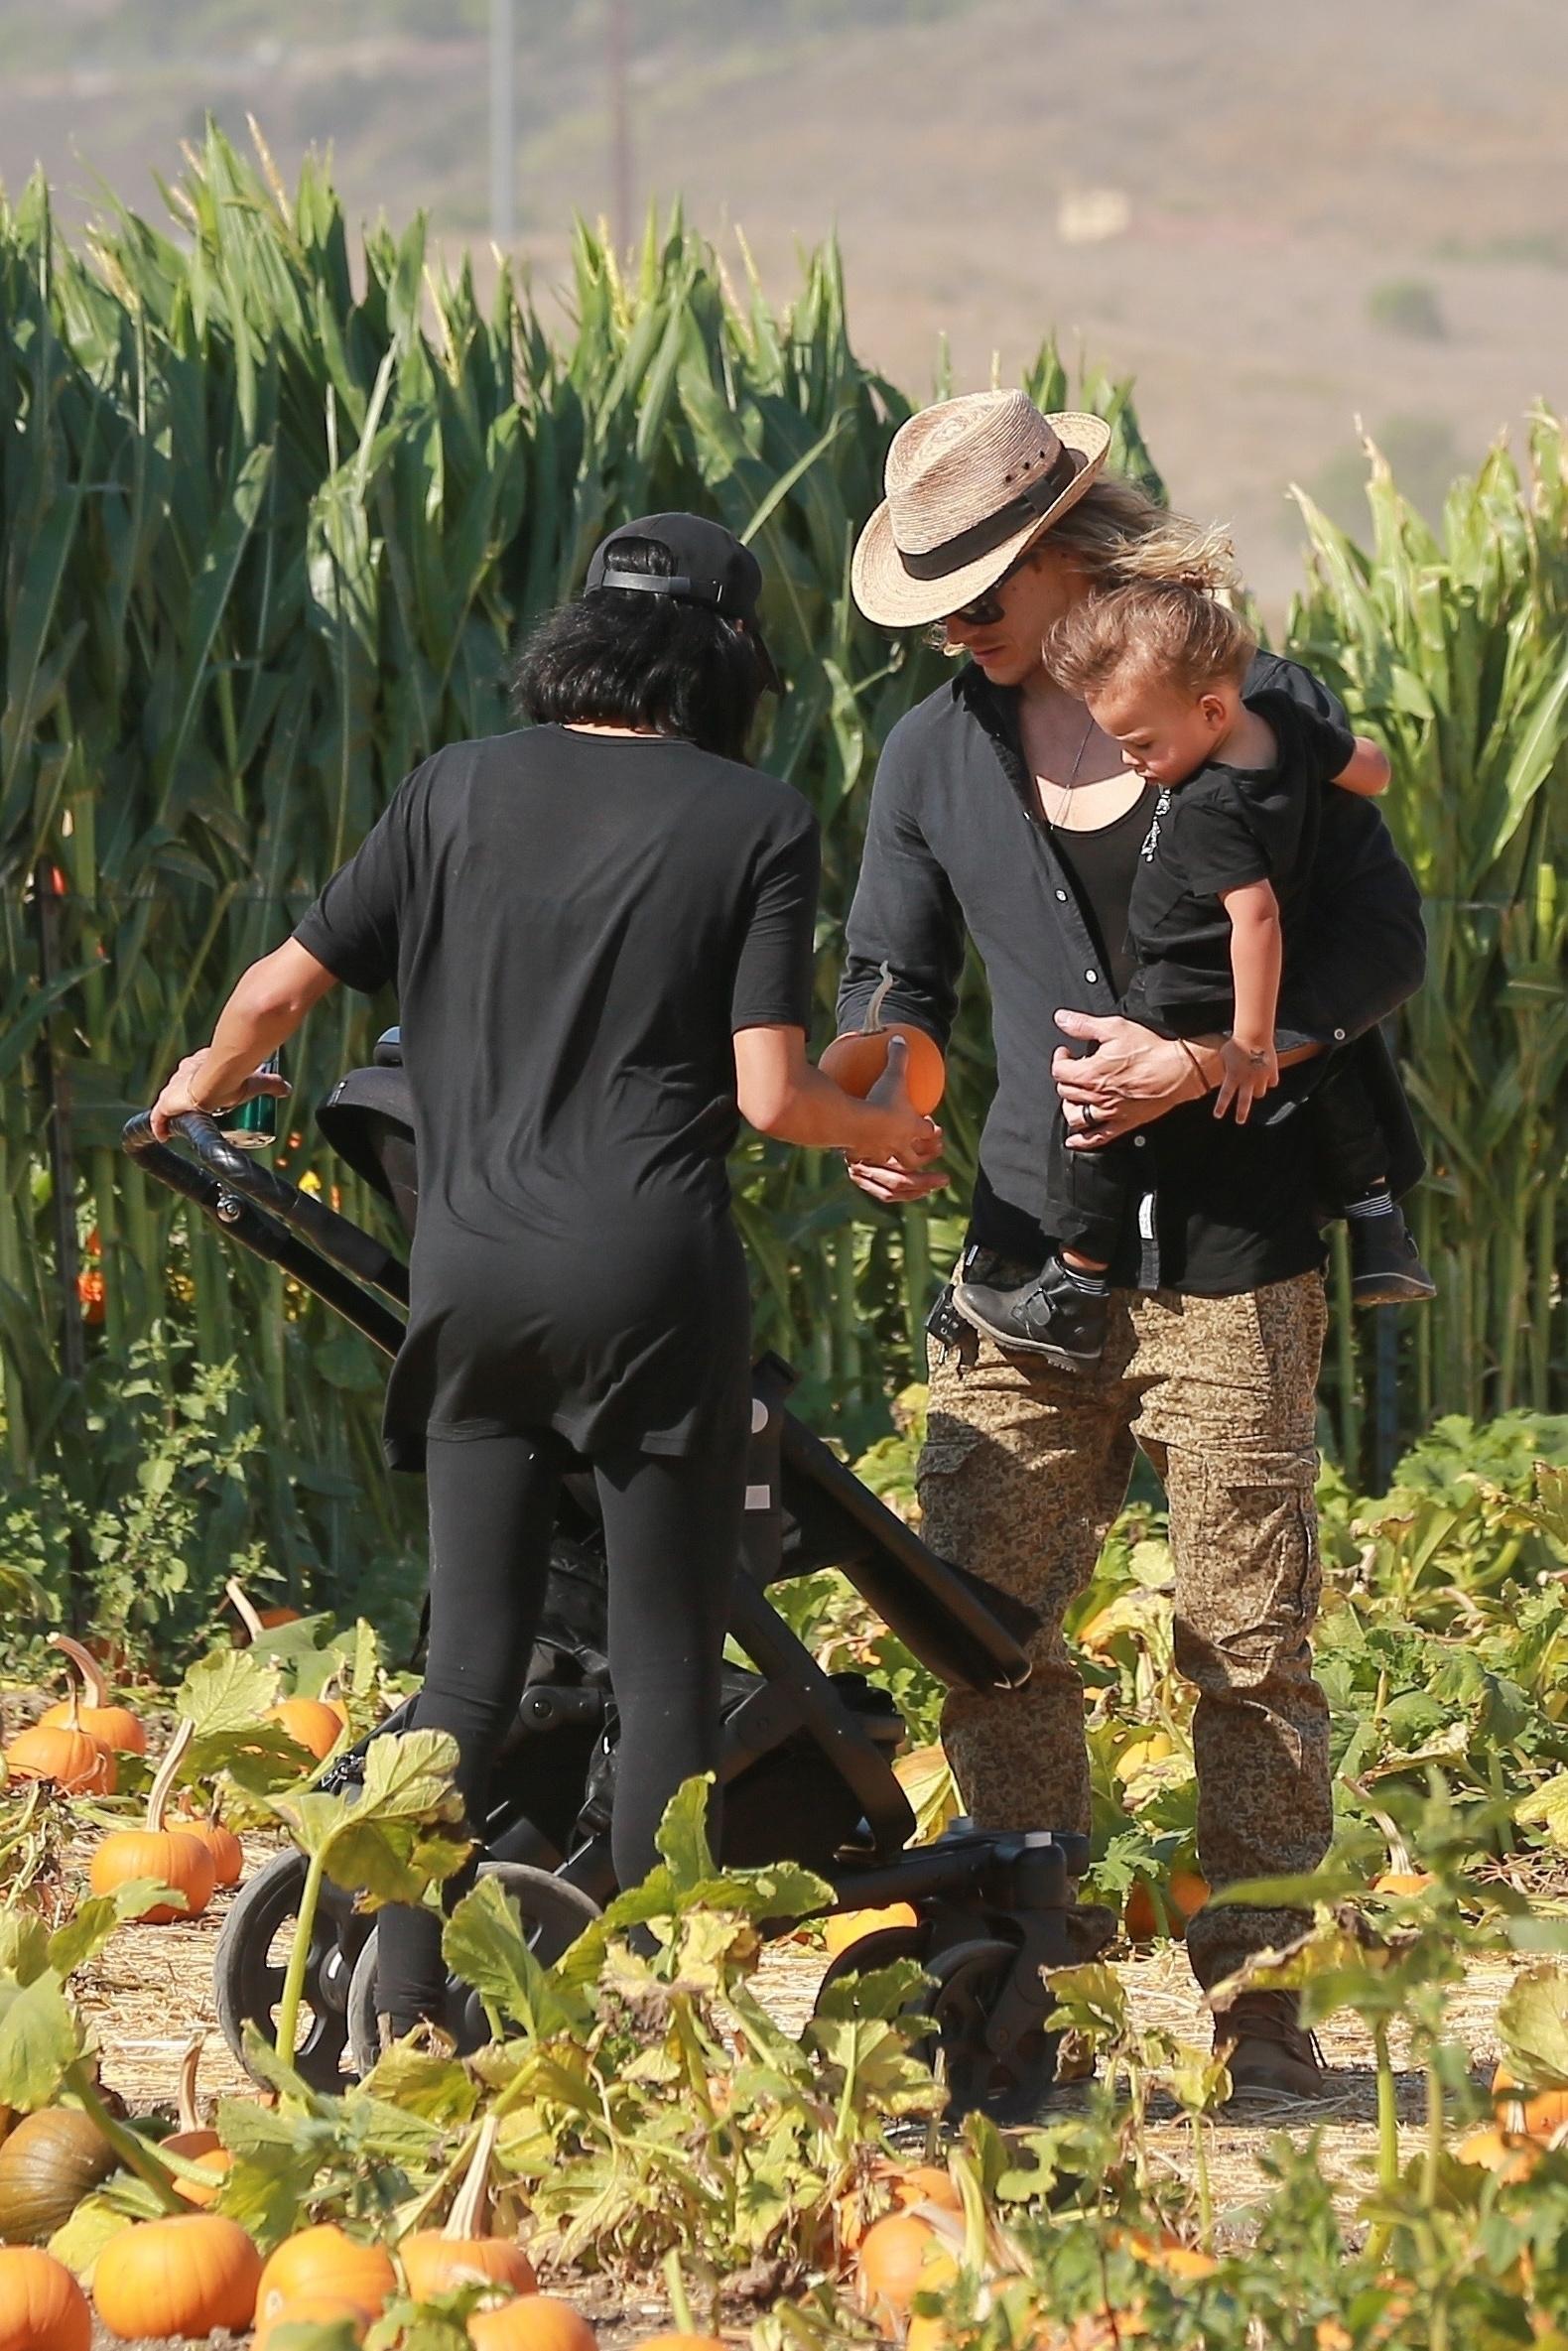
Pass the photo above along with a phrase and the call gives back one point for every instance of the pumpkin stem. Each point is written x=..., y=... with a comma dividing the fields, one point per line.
x=470, y=2207
x=189, y=2118
x=94, y=1688
x=1399, y=1863
x=162, y=1790
x=874, y=1010
x=243, y=1608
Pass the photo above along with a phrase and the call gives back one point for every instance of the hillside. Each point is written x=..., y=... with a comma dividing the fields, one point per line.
x=1278, y=219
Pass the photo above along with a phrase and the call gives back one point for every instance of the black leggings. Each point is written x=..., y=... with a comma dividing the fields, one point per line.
x=672, y=1535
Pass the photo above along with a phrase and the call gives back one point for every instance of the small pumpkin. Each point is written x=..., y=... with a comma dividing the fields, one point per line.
x=113, y=1727
x=326, y=2259
x=436, y=2259
x=531, y=2322
x=63, y=1751
x=47, y=2163
x=183, y=2276
x=311, y=1723
x=849, y=1926
x=857, y=1058
x=1498, y=2151
x=228, y=1855
x=899, y=2256
x=925, y=2183
x=256, y=1620
x=193, y=2139
x=165, y=1854
x=41, y=2308
x=313, y=2309
x=1185, y=1894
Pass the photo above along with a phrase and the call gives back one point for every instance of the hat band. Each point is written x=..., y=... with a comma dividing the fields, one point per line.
x=984, y=537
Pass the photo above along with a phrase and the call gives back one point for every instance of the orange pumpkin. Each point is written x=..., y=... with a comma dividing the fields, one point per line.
x=857, y=1058
x=900, y=2257
x=1538, y=2114
x=925, y=2183
x=1403, y=1881
x=436, y=2259
x=179, y=2276
x=197, y=2143
x=313, y=2309
x=228, y=1855
x=166, y=1854
x=256, y=1620
x=326, y=2261
x=1185, y=1894
x=851, y=1927
x=1498, y=2151
x=41, y=2308
x=63, y=1751
x=531, y=2322
x=311, y=1723
x=113, y=1727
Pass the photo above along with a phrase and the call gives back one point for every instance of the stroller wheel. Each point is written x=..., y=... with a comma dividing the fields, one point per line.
x=252, y=1955
x=554, y=1913
x=880, y=1948
x=966, y=1979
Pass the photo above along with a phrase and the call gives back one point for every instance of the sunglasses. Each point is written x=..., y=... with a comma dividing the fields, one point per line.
x=988, y=608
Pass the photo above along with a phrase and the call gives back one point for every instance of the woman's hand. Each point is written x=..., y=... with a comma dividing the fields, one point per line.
x=910, y=1139
x=1131, y=1077
x=183, y=1091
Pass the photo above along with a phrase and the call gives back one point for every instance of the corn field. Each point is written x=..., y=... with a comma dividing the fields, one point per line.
x=271, y=518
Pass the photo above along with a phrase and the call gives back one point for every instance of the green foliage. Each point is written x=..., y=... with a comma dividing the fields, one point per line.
x=1407, y=306
x=139, y=1530
x=271, y=518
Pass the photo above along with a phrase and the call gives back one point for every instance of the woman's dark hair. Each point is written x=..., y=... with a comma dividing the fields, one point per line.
x=617, y=657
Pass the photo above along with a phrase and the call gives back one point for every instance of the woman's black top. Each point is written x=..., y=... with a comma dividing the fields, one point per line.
x=1103, y=862
x=575, y=924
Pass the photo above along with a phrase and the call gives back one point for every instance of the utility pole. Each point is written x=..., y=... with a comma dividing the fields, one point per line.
x=504, y=125
x=615, y=46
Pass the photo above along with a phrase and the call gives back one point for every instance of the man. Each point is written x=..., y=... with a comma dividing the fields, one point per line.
x=1000, y=810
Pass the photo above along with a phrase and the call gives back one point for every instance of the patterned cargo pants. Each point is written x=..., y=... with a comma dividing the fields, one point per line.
x=1022, y=1472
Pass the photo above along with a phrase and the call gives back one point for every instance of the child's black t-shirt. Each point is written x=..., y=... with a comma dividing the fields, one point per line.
x=1224, y=827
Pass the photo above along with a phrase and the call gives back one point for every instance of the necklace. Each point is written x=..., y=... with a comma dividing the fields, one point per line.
x=1065, y=791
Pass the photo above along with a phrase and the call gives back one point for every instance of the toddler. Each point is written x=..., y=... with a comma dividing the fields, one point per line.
x=1220, y=887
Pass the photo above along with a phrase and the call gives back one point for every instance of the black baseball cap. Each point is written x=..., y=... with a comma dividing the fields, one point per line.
x=712, y=568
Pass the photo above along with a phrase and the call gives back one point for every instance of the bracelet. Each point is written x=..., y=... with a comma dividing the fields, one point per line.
x=1197, y=1068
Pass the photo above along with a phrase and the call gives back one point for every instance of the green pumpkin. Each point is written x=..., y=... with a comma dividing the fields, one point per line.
x=47, y=2163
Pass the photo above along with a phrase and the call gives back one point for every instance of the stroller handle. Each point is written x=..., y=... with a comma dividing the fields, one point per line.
x=253, y=1205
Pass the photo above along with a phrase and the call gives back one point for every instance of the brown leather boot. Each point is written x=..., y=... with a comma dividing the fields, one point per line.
x=1268, y=2054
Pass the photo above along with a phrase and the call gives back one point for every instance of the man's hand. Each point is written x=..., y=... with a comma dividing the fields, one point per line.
x=1133, y=1077
x=183, y=1091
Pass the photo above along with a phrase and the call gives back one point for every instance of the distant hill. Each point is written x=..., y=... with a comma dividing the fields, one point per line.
x=1279, y=218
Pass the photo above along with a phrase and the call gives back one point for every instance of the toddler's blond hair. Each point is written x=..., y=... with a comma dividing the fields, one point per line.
x=1175, y=630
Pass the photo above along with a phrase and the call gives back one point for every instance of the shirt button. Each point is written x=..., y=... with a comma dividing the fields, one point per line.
x=1139, y=1141
x=1338, y=1036
x=1091, y=975
x=1060, y=898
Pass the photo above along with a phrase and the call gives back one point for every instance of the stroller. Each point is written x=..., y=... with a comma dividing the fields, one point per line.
x=808, y=1755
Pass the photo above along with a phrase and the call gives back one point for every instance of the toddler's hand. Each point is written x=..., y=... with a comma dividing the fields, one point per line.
x=1249, y=1073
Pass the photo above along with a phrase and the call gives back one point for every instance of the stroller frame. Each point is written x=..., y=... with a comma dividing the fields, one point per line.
x=991, y=1906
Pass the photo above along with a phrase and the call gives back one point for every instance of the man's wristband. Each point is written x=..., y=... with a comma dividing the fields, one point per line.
x=1205, y=1085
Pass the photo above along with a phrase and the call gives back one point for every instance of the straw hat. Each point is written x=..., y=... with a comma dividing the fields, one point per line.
x=970, y=483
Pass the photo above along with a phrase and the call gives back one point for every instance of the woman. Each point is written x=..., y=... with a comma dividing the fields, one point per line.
x=600, y=930
x=1000, y=811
